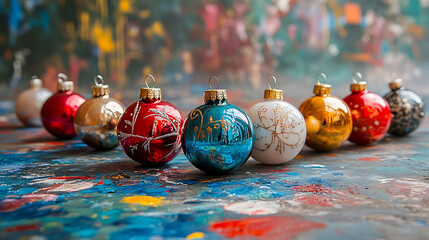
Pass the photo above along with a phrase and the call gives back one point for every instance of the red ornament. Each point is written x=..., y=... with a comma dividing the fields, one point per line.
x=370, y=113
x=149, y=130
x=59, y=110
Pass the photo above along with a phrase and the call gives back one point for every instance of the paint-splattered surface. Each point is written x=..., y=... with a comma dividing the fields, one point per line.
x=63, y=189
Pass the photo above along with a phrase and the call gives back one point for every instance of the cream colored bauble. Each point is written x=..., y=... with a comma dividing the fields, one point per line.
x=29, y=103
x=280, y=129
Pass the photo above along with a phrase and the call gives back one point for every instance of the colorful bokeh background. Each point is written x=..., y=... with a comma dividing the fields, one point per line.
x=243, y=42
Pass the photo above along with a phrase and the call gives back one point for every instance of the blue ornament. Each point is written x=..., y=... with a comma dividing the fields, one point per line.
x=218, y=137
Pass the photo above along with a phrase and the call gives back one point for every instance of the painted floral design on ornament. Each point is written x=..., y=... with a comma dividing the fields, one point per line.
x=285, y=130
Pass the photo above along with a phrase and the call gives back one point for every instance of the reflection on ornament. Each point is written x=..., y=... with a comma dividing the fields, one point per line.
x=370, y=113
x=407, y=108
x=280, y=129
x=328, y=119
x=218, y=137
x=97, y=117
x=59, y=110
x=149, y=131
x=29, y=103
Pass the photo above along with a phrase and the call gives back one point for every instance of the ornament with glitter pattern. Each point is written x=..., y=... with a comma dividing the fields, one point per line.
x=29, y=103
x=97, y=117
x=149, y=130
x=59, y=110
x=407, y=108
x=280, y=129
x=328, y=119
x=370, y=113
x=218, y=137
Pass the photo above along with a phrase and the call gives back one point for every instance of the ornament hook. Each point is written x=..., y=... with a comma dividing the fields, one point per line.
x=98, y=80
x=359, y=77
x=153, y=79
x=275, y=82
x=324, y=78
x=217, y=80
x=62, y=77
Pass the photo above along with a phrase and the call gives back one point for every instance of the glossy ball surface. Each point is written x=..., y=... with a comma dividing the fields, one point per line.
x=58, y=114
x=218, y=138
x=280, y=131
x=96, y=121
x=371, y=117
x=149, y=132
x=29, y=104
x=328, y=120
x=408, y=111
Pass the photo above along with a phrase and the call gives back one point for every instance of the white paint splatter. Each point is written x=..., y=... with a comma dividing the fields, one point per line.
x=254, y=207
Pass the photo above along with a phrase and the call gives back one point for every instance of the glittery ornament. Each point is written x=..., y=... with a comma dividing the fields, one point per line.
x=29, y=103
x=149, y=131
x=370, y=113
x=97, y=117
x=328, y=119
x=280, y=129
x=408, y=109
x=218, y=137
x=59, y=110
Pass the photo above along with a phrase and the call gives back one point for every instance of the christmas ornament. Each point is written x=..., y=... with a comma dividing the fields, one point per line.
x=280, y=129
x=218, y=137
x=328, y=119
x=370, y=113
x=59, y=110
x=149, y=130
x=97, y=117
x=30, y=102
x=408, y=109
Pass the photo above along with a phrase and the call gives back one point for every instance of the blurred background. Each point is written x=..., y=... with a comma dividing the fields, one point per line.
x=243, y=42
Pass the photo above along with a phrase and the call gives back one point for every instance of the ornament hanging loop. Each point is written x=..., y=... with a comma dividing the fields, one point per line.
x=98, y=80
x=146, y=82
x=62, y=77
x=323, y=75
x=275, y=82
x=217, y=81
x=357, y=77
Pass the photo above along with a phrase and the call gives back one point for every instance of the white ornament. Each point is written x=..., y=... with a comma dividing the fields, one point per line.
x=280, y=130
x=29, y=103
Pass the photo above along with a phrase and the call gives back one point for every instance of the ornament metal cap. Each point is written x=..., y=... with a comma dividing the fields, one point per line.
x=35, y=82
x=273, y=93
x=99, y=89
x=321, y=88
x=64, y=84
x=358, y=85
x=215, y=94
x=396, y=84
x=150, y=92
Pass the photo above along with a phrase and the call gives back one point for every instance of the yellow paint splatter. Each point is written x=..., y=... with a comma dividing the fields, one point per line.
x=144, y=200
x=195, y=235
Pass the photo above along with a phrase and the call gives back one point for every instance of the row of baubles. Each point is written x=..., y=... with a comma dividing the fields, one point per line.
x=218, y=136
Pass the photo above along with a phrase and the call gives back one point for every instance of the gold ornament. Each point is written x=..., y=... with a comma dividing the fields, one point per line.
x=96, y=119
x=328, y=118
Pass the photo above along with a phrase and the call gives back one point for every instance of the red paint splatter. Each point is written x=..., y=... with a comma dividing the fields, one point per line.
x=74, y=177
x=19, y=228
x=314, y=188
x=369, y=159
x=9, y=205
x=280, y=170
x=317, y=200
x=354, y=189
x=331, y=155
x=263, y=227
